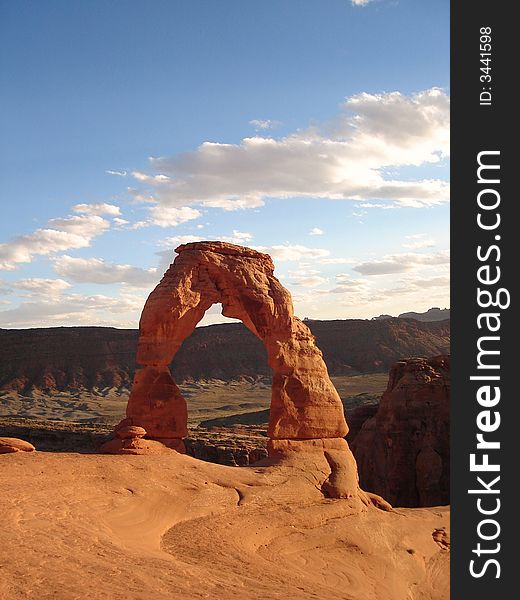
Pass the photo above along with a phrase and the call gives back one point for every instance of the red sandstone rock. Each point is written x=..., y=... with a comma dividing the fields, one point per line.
x=284, y=447
x=130, y=432
x=8, y=445
x=403, y=451
x=156, y=403
x=358, y=417
x=304, y=403
x=137, y=446
x=306, y=414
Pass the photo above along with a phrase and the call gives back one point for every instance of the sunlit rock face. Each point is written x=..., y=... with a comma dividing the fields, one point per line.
x=304, y=405
x=307, y=422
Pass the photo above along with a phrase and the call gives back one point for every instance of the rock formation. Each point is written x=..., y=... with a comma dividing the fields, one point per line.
x=9, y=445
x=358, y=417
x=403, y=451
x=304, y=405
x=306, y=414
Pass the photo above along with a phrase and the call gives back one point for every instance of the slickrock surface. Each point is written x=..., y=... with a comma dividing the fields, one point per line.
x=169, y=527
x=403, y=452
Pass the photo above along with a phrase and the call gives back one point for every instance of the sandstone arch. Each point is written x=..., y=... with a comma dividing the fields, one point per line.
x=306, y=411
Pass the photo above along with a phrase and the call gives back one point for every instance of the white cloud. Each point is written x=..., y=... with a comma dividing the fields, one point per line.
x=118, y=173
x=234, y=202
x=139, y=225
x=150, y=178
x=169, y=216
x=418, y=241
x=293, y=252
x=122, y=311
x=336, y=261
x=376, y=205
x=96, y=270
x=432, y=282
x=5, y=288
x=263, y=124
x=308, y=281
x=346, y=283
x=160, y=216
x=401, y=263
x=343, y=159
x=237, y=237
x=42, y=287
x=177, y=240
x=63, y=234
x=141, y=198
x=354, y=288
x=316, y=231
x=97, y=209
x=361, y=2
x=86, y=226
x=353, y=296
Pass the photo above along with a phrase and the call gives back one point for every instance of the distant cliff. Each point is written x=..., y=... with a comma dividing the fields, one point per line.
x=432, y=314
x=72, y=358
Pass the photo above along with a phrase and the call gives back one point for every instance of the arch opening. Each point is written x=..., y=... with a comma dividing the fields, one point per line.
x=220, y=382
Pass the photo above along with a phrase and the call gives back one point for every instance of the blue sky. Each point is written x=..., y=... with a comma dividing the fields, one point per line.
x=317, y=131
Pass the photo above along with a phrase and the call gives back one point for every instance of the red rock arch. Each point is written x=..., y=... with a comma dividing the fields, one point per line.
x=304, y=403
x=306, y=413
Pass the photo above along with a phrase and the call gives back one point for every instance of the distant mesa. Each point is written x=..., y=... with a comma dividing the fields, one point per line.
x=99, y=359
x=432, y=314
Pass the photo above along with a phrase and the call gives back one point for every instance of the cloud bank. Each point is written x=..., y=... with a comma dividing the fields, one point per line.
x=344, y=158
x=60, y=235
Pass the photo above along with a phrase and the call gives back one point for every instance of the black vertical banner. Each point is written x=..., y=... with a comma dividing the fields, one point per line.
x=485, y=246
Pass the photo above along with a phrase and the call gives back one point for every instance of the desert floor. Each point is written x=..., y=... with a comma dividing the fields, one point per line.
x=206, y=400
x=87, y=526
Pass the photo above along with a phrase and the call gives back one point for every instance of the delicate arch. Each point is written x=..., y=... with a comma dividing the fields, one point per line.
x=306, y=416
x=304, y=403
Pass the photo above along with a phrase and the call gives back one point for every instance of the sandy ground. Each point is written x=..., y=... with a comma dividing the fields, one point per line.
x=172, y=527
